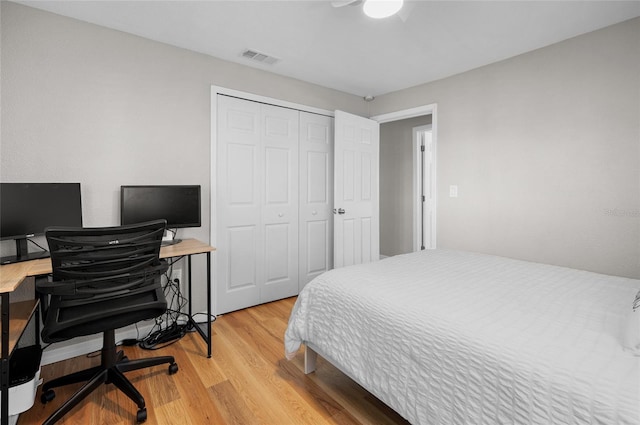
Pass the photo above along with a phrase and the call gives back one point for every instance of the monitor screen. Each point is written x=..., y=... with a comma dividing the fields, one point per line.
x=26, y=209
x=179, y=205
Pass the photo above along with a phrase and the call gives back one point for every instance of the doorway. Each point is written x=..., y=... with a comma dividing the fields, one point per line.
x=401, y=220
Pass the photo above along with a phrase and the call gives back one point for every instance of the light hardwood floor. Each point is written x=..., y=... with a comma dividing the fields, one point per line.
x=247, y=381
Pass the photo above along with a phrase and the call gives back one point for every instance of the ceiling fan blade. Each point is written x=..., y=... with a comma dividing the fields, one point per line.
x=405, y=12
x=341, y=3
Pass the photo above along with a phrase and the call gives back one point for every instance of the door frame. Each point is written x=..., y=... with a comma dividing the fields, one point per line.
x=423, y=175
x=430, y=109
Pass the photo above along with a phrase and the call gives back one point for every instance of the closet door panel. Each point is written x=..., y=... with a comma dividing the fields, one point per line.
x=316, y=196
x=242, y=257
x=240, y=189
x=277, y=176
x=277, y=254
x=317, y=258
x=274, y=201
x=238, y=205
x=279, y=209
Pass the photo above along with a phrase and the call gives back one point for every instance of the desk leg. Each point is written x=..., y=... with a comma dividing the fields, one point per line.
x=189, y=282
x=208, y=304
x=206, y=336
x=5, y=358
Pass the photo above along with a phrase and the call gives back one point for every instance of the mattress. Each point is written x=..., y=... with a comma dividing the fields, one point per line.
x=449, y=337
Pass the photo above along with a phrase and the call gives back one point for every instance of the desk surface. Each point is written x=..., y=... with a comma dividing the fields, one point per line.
x=12, y=275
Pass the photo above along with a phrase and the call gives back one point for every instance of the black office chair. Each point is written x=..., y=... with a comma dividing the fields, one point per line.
x=103, y=279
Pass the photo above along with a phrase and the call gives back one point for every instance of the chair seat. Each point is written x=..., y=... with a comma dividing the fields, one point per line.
x=96, y=317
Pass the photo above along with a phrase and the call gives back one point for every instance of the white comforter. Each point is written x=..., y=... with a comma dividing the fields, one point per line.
x=447, y=337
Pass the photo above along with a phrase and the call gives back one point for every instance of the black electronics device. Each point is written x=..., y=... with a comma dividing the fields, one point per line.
x=26, y=209
x=178, y=204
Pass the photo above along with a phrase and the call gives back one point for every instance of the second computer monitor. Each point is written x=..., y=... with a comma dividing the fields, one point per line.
x=179, y=205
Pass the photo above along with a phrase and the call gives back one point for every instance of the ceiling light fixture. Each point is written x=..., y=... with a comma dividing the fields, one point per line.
x=379, y=9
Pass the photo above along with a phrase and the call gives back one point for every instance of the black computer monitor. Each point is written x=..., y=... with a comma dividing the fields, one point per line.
x=26, y=209
x=179, y=205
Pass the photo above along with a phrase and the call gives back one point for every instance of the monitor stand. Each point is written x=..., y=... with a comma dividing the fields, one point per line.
x=167, y=242
x=23, y=254
x=169, y=238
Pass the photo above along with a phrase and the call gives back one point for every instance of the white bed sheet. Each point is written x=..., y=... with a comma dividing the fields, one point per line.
x=449, y=337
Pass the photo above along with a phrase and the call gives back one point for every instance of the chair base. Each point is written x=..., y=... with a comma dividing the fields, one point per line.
x=111, y=371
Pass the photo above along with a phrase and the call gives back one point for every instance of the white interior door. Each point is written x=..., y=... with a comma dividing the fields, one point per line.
x=316, y=196
x=356, y=193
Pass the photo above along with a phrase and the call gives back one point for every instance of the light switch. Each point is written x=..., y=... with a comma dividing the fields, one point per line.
x=453, y=191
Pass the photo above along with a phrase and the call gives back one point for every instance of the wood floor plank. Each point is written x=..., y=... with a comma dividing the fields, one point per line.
x=257, y=337
x=231, y=405
x=247, y=381
x=253, y=375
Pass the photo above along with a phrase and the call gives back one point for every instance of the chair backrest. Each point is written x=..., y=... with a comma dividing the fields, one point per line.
x=103, y=278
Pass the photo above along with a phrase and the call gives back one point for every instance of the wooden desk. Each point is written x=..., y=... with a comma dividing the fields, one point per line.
x=16, y=316
x=12, y=275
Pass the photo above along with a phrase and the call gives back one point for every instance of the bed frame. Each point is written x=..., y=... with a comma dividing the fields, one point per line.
x=310, y=359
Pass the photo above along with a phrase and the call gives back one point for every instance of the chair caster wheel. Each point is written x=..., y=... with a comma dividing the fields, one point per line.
x=47, y=396
x=141, y=416
x=173, y=368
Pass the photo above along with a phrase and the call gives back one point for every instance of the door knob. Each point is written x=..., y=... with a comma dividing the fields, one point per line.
x=341, y=211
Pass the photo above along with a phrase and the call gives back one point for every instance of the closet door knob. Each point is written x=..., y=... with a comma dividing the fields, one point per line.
x=280, y=215
x=314, y=212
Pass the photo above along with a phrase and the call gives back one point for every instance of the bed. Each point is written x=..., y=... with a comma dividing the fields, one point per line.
x=450, y=337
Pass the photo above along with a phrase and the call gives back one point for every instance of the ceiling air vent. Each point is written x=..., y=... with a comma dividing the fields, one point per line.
x=260, y=57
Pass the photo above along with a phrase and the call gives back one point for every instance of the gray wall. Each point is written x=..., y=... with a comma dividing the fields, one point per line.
x=105, y=108
x=396, y=185
x=545, y=149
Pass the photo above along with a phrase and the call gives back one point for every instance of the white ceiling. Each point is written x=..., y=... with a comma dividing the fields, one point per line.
x=341, y=48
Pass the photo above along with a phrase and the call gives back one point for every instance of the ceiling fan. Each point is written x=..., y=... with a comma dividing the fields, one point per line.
x=373, y=8
x=341, y=3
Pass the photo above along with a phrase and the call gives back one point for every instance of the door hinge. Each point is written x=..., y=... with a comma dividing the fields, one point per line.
x=423, y=198
x=422, y=148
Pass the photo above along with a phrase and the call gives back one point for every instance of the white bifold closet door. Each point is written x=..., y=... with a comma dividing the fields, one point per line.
x=274, y=200
x=257, y=214
x=316, y=196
